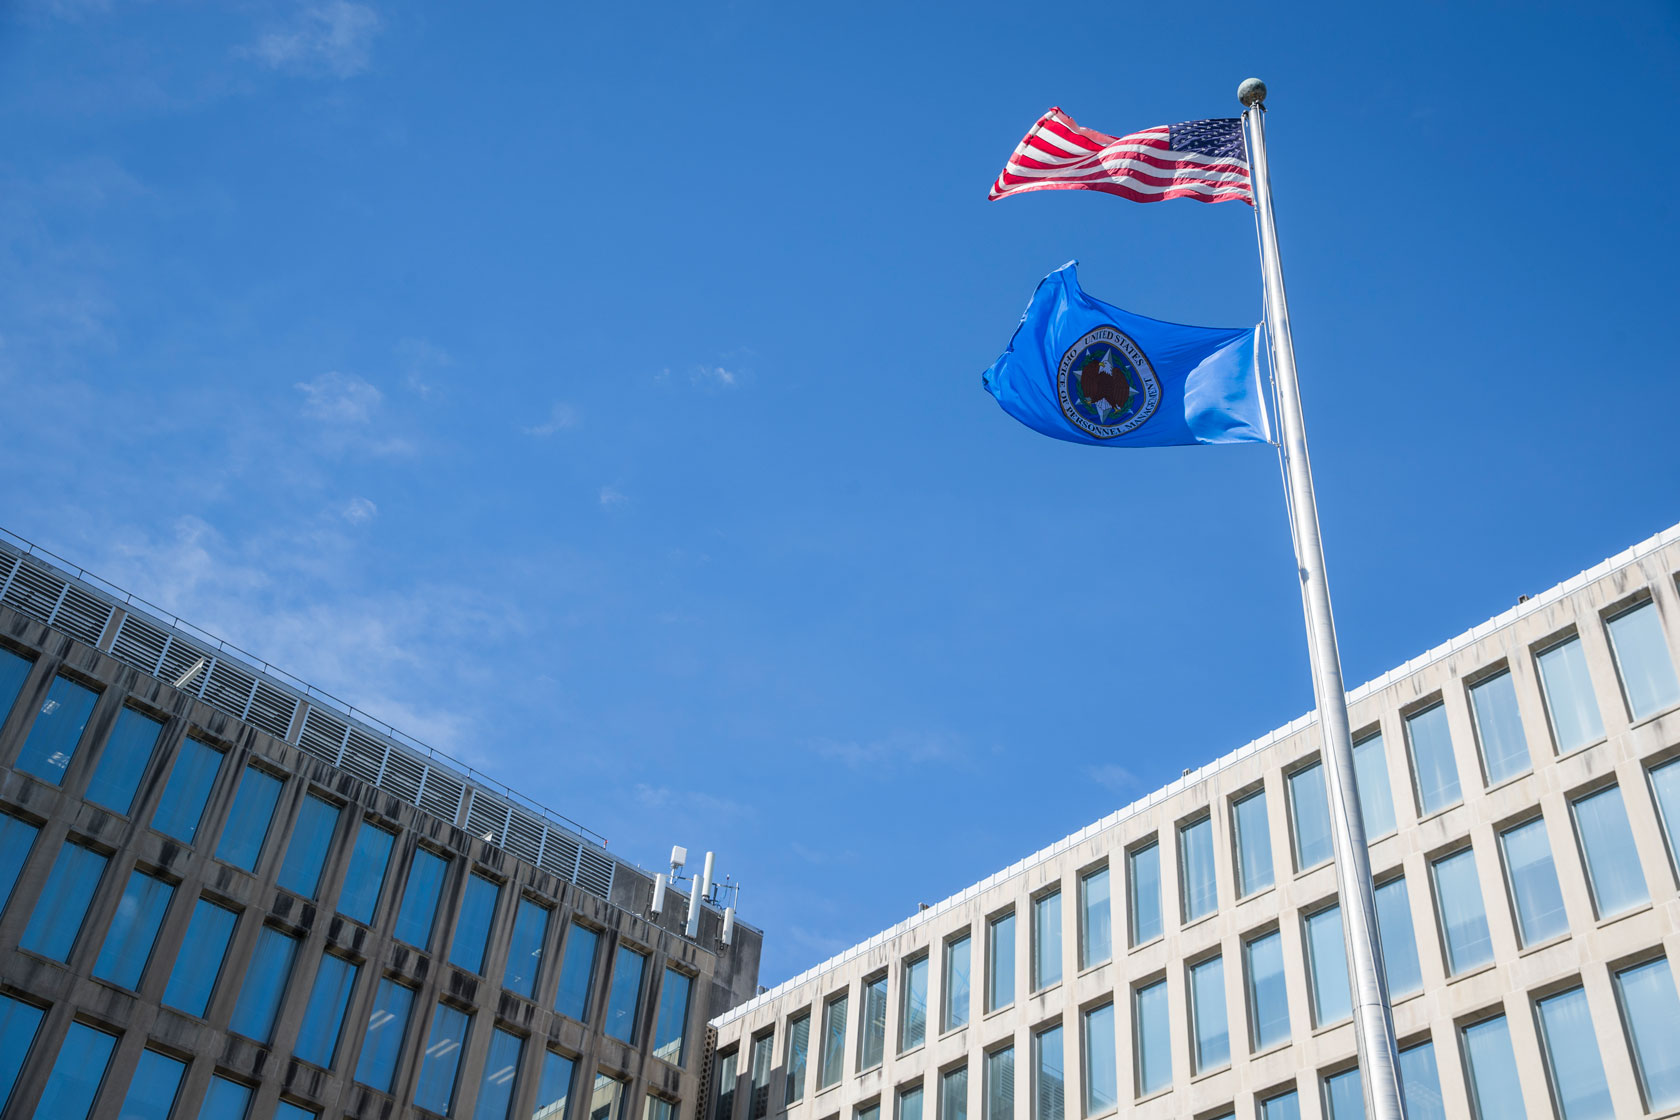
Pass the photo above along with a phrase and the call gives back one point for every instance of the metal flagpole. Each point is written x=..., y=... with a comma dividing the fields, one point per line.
x=1374, y=1024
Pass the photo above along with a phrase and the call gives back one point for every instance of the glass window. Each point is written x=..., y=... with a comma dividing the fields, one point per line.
x=1195, y=868
x=1495, y=1087
x=1344, y=1096
x=133, y=929
x=658, y=1108
x=157, y=1081
x=1499, y=728
x=1268, y=993
x=726, y=1087
x=200, y=960
x=869, y=1111
x=1310, y=807
x=362, y=882
x=873, y=1031
x=1420, y=1083
x=1399, y=944
x=525, y=948
x=555, y=1086
x=1143, y=866
x=472, y=926
x=442, y=1059
x=1254, y=843
x=1048, y=1081
x=1433, y=766
x=1569, y=696
x=14, y=670
x=1000, y=961
x=1284, y=1106
x=1370, y=773
x=956, y=979
x=16, y=839
x=1458, y=899
x=225, y=1100
x=116, y=778
x=953, y=1094
x=387, y=1022
x=912, y=1028
x=607, y=1102
x=248, y=821
x=910, y=1104
x=577, y=969
x=18, y=1023
x=625, y=994
x=57, y=729
x=265, y=984
x=181, y=808
x=798, y=1045
x=1047, y=940
x=833, y=1055
x=1642, y=659
x=306, y=854
x=1566, y=1032
x=758, y=1076
x=1533, y=881
x=669, y=1032
x=1651, y=1010
x=1613, y=869
x=323, y=1017
x=286, y=1110
x=495, y=1092
x=1665, y=783
x=1211, y=1031
x=1152, y=1038
x=76, y=1073
x=59, y=912
x=1102, y=1068
x=1000, y=1085
x=1095, y=942
x=1327, y=967
x=420, y=898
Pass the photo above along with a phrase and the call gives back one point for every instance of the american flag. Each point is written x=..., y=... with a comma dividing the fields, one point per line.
x=1203, y=160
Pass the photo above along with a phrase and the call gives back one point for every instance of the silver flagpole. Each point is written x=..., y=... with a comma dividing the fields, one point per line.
x=1379, y=1057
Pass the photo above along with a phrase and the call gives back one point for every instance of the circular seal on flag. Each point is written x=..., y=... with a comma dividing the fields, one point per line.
x=1106, y=384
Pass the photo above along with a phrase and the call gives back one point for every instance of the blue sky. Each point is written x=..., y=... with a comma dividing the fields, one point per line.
x=594, y=392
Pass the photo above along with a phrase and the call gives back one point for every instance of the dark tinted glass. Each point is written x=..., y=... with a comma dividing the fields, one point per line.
x=472, y=926
x=18, y=1023
x=247, y=825
x=577, y=968
x=265, y=984
x=151, y=1094
x=16, y=839
x=76, y=1074
x=200, y=961
x=117, y=777
x=387, y=1021
x=362, y=882
x=420, y=898
x=306, y=853
x=133, y=930
x=56, y=731
x=323, y=1018
x=181, y=809
x=59, y=912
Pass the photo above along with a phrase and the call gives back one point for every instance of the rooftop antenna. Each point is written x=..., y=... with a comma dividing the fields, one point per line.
x=679, y=856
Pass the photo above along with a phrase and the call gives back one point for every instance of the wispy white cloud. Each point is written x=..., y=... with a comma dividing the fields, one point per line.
x=896, y=748
x=1113, y=777
x=612, y=497
x=715, y=376
x=560, y=417
x=339, y=399
x=333, y=38
x=422, y=362
x=359, y=511
x=665, y=799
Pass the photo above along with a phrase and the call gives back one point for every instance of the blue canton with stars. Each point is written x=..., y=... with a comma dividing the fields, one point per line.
x=1220, y=139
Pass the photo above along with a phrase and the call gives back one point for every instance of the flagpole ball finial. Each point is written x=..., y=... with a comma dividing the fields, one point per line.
x=1252, y=92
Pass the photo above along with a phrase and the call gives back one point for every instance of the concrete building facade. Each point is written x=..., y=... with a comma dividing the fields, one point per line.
x=1184, y=957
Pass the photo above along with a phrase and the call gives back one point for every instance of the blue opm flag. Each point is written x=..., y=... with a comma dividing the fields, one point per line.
x=1087, y=372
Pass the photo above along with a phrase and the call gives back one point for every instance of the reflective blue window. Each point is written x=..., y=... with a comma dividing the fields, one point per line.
x=226, y=1100
x=133, y=930
x=912, y=1012
x=18, y=1023
x=625, y=993
x=366, y=874
x=673, y=1017
x=1153, y=1039
x=1613, y=870
x=16, y=839
x=1665, y=783
x=1049, y=1080
x=14, y=670
x=387, y=1022
x=1495, y=1087
x=660, y=1109
x=265, y=984
x=873, y=1043
x=1534, y=882
x=181, y=808
x=1254, y=843
x=1433, y=765
x=831, y=1058
x=1102, y=1066
x=76, y=1074
x=1376, y=799
x=1310, y=810
x=1420, y=1083
x=1327, y=966
x=1143, y=866
x=957, y=993
x=1095, y=922
x=286, y=1110
x=152, y=1093
x=607, y=1102
x=1458, y=896
x=555, y=1086
x=1399, y=942
x=495, y=1093
x=1000, y=961
x=57, y=729
x=472, y=927
x=1572, y=1058
x=1047, y=940
x=306, y=854
x=525, y=948
x=1344, y=1096
x=577, y=969
x=1268, y=994
x=1569, y=696
x=116, y=778
x=200, y=960
x=1499, y=728
x=1651, y=1009
x=63, y=904
x=323, y=1018
x=998, y=1094
x=797, y=1054
x=1210, y=1031
x=1284, y=1106
x=909, y=1106
x=442, y=1059
x=1195, y=868
x=1642, y=658
x=247, y=823
x=420, y=898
